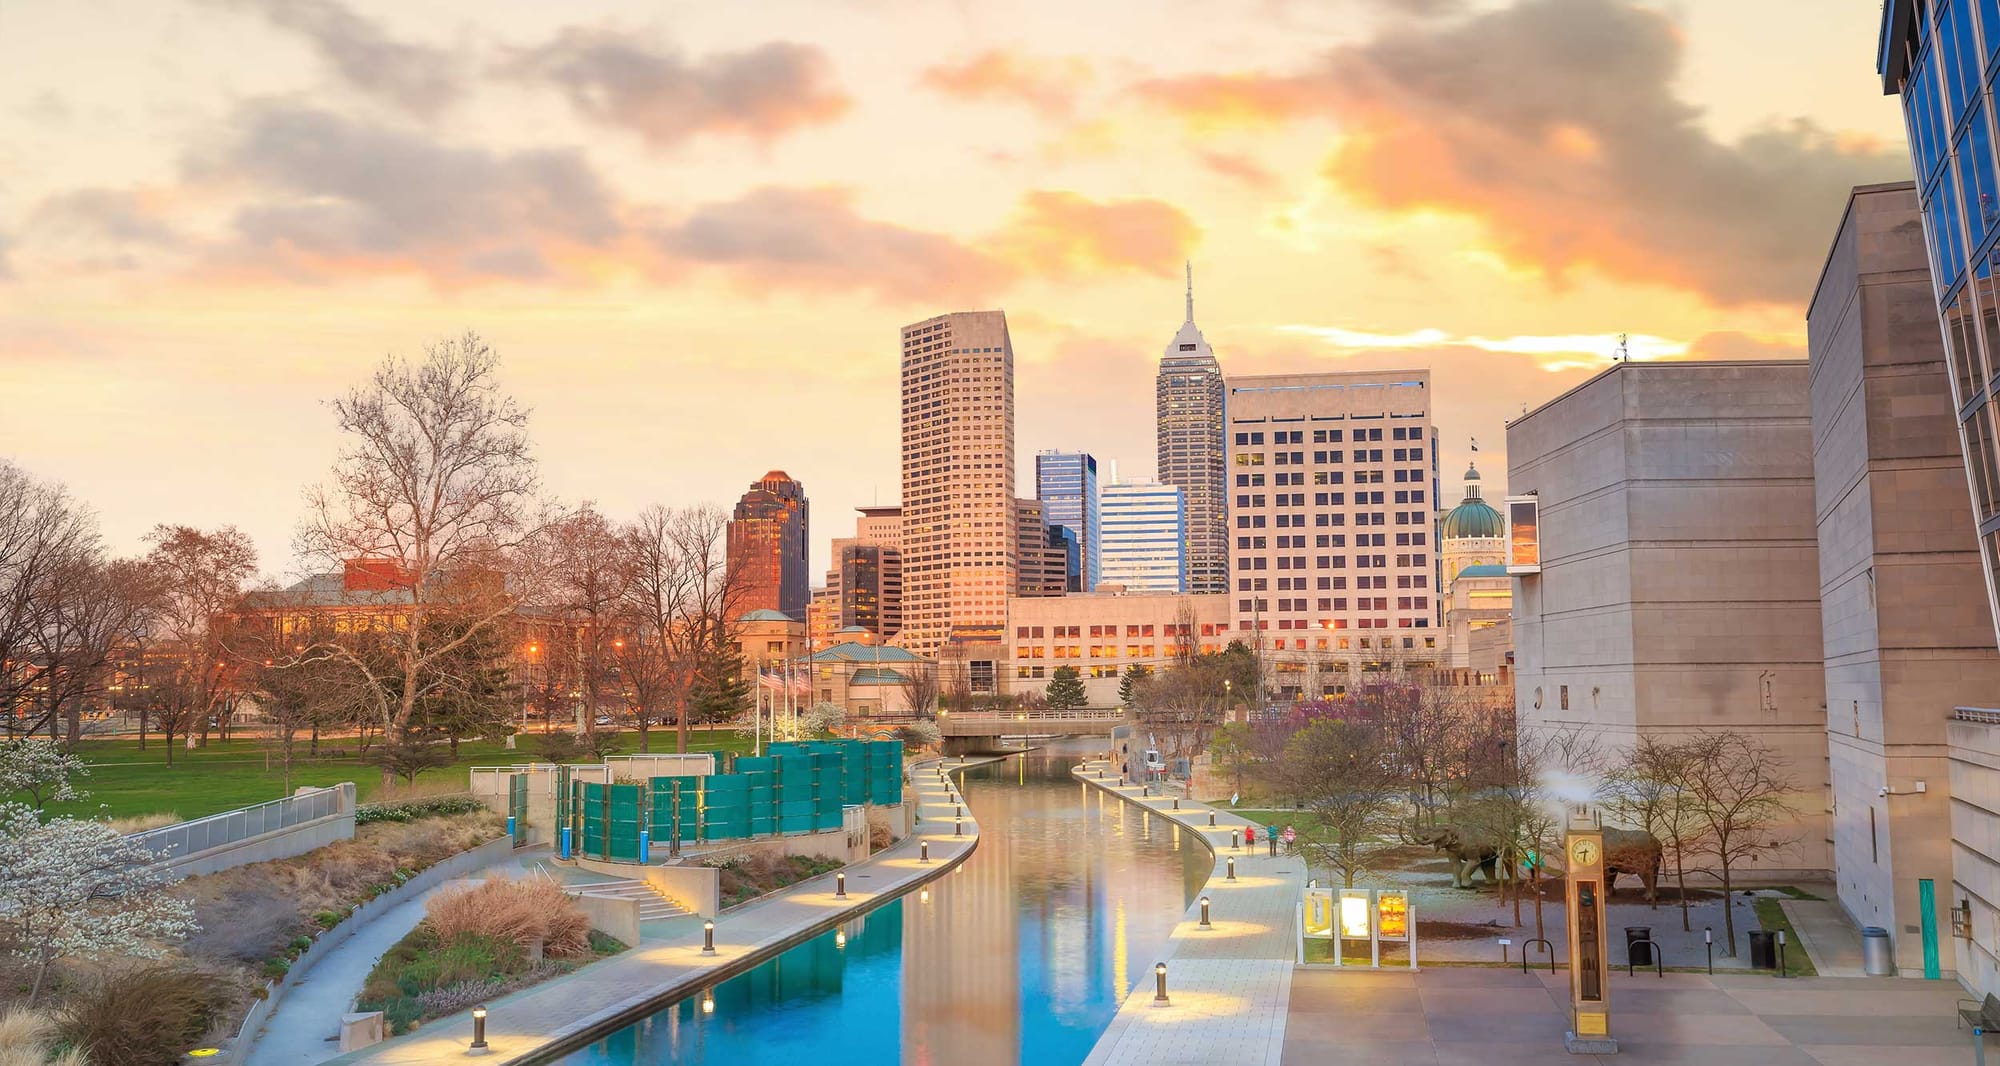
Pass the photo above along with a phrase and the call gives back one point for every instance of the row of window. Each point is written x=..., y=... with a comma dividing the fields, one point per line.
x=1328, y=436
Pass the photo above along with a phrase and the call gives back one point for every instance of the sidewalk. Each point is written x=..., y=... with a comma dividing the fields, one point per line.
x=1228, y=985
x=304, y=1030
x=1830, y=939
x=668, y=965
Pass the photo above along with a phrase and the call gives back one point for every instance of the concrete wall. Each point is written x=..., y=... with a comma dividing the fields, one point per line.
x=698, y=889
x=279, y=843
x=1903, y=607
x=1975, y=849
x=1680, y=580
x=614, y=916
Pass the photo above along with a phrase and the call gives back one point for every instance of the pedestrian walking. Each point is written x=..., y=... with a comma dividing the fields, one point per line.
x=1250, y=837
x=1289, y=837
x=1271, y=835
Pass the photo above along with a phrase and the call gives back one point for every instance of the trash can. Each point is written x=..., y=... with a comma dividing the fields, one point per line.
x=1763, y=950
x=1636, y=953
x=1876, y=958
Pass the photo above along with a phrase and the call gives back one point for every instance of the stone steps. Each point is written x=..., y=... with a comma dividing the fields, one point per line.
x=652, y=904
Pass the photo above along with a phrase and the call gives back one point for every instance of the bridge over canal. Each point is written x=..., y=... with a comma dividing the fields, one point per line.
x=970, y=732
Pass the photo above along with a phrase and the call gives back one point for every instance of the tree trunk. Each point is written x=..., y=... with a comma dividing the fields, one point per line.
x=167, y=733
x=681, y=728
x=41, y=971
x=1681, y=880
x=142, y=728
x=1535, y=882
x=1728, y=910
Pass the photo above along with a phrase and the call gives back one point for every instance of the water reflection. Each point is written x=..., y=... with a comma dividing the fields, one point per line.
x=1021, y=955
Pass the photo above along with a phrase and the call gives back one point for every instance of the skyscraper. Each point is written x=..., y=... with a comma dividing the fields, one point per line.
x=1334, y=507
x=1935, y=55
x=767, y=540
x=867, y=574
x=1145, y=537
x=1043, y=551
x=1066, y=483
x=1189, y=405
x=960, y=552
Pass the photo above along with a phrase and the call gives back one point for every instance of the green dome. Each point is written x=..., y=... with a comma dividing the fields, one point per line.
x=1473, y=518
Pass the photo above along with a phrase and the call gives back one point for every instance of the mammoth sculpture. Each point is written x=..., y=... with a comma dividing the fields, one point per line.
x=1467, y=855
x=1635, y=852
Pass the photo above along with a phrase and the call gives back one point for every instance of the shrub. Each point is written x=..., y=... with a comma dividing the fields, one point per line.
x=919, y=734
x=520, y=912
x=139, y=823
x=28, y=1038
x=143, y=1016
x=411, y=810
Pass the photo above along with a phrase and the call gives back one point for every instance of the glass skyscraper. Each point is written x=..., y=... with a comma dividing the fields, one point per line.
x=1940, y=57
x=1145, y=530
x=1066, y=483
x=1189, y=406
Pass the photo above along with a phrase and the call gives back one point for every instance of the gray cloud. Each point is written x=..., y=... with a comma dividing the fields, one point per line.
x=814, y=239
x=331, y=189
x=6, y=268
x=112, y=216
x=666, y=98
x=418, y=78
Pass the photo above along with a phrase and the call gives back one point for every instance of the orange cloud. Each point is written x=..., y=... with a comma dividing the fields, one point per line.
x=1048, y=86
x=1061, y=233
x=1239, y=168
x=1220, y=100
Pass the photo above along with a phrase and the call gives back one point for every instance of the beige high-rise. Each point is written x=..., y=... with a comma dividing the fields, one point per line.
x=1333, y=521
x=960, y=545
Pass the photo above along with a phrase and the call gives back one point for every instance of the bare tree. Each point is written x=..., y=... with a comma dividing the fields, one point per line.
x=201, y=577
x=682, y=593
x=1340, y=771
x=88, y=609
x=432, y=491
x=41, y=531
x=1650, y=792
x=1424, y=729
x=1738, y=785
x=585, y=570
x=920, y=690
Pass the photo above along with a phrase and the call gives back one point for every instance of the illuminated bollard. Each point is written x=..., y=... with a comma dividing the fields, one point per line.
x=708, y=938
x=958, y=811
x=1235, y=838
x=1211, y=817
x=840, y=886
x=1159, y=984
x=478, y=1030
x=1204, y=912
x=924, y=851
x=958, y=829
x=1177, y=803
x=1232, y=870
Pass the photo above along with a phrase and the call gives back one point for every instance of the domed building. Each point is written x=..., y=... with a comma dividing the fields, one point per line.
x=1478, y=594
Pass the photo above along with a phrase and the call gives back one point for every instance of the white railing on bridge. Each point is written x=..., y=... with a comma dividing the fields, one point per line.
x=201, y=834
x=1081, y=714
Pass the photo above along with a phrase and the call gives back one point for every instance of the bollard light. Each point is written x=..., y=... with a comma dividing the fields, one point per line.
x=1211, y=817
x=840, y=886
x=958, y=811
x=958, y=829
x=1204, y=912
x=924, y=851
x=1708, y=945
x=708, y=1001
x=1232, y=869
x=708, y=938
x=1177, y=803
x=1159, y=984
x=1235, y=838
x=478, y=1028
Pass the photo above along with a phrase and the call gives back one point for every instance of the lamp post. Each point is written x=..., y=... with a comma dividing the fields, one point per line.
x=478, y=1029
x=1159, y=984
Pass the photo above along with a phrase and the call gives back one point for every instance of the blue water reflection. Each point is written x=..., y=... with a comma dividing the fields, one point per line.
x=1021, y=955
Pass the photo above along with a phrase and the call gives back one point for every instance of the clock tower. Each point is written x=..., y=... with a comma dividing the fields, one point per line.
x=1589, y=961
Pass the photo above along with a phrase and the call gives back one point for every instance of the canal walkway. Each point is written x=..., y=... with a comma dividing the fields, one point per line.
x=1228, y=986
x=669, y=964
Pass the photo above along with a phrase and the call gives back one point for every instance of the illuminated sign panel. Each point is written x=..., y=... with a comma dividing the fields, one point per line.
x=1354, y=914
x=1319, y=913
x=1393, y=914
x=1524, y=535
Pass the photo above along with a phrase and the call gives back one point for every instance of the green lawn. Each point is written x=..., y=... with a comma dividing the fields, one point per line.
x=1771, y=916
x=125, y=781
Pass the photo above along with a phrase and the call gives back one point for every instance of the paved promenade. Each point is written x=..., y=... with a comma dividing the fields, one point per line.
x=668, y=964
x=1229, y=985
x=1492, y=1016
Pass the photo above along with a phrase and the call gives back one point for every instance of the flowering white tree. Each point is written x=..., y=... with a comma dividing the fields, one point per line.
x=43, y=770
x=821, y=719
x=79, y=888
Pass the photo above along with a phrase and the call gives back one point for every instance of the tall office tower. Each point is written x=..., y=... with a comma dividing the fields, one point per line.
x=1936, y=56
x=1044, y=552
x=1333, y=509
x=1066, y=483
x=767, y=540
x=1189, y=403
x=960, y=554
x=867, y=573
x=1145, y=537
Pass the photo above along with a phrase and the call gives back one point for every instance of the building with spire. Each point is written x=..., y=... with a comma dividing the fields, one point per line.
x=1478, y=594
x=1189, y=403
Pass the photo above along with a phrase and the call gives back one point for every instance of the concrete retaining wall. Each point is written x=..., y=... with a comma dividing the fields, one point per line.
x=457, y=866
x=614, y=916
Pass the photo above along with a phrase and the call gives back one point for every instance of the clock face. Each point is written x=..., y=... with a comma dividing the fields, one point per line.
x=1583, y=852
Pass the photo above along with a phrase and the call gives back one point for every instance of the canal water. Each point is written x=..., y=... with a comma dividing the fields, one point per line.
x=1021, y=955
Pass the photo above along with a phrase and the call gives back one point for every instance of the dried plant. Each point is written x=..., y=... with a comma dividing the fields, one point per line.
x=523, y=911
x=27, y=1038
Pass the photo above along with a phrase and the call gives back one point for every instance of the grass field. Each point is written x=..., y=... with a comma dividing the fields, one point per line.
x=125, y=781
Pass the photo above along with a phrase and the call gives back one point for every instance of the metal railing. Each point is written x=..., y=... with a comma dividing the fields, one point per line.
x=1085, y=714
x=201, y=834
x=1981, y=715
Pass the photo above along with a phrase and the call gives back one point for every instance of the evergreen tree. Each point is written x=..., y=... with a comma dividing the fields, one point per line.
x=1128, y=686
x=719, y=692
x=1065, y=691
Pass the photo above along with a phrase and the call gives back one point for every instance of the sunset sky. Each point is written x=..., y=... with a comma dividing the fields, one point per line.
x=692, y=230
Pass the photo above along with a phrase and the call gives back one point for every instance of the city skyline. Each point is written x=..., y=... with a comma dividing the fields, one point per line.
x=171, y=267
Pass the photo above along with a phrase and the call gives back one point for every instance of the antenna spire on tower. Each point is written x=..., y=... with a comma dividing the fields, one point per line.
x=1190, y=289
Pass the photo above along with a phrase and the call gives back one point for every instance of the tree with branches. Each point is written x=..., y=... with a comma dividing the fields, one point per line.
x=42, y=531
x=1650, y=792
x=1738, y=785
x=1339, y=771
x=433, y=491
x=683, y=594
x=1065, y=689
x=200, y=576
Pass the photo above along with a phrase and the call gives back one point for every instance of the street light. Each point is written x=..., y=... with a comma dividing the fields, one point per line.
x=478, y=1029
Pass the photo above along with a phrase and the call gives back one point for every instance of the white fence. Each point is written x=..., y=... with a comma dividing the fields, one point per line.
x=174, y=844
